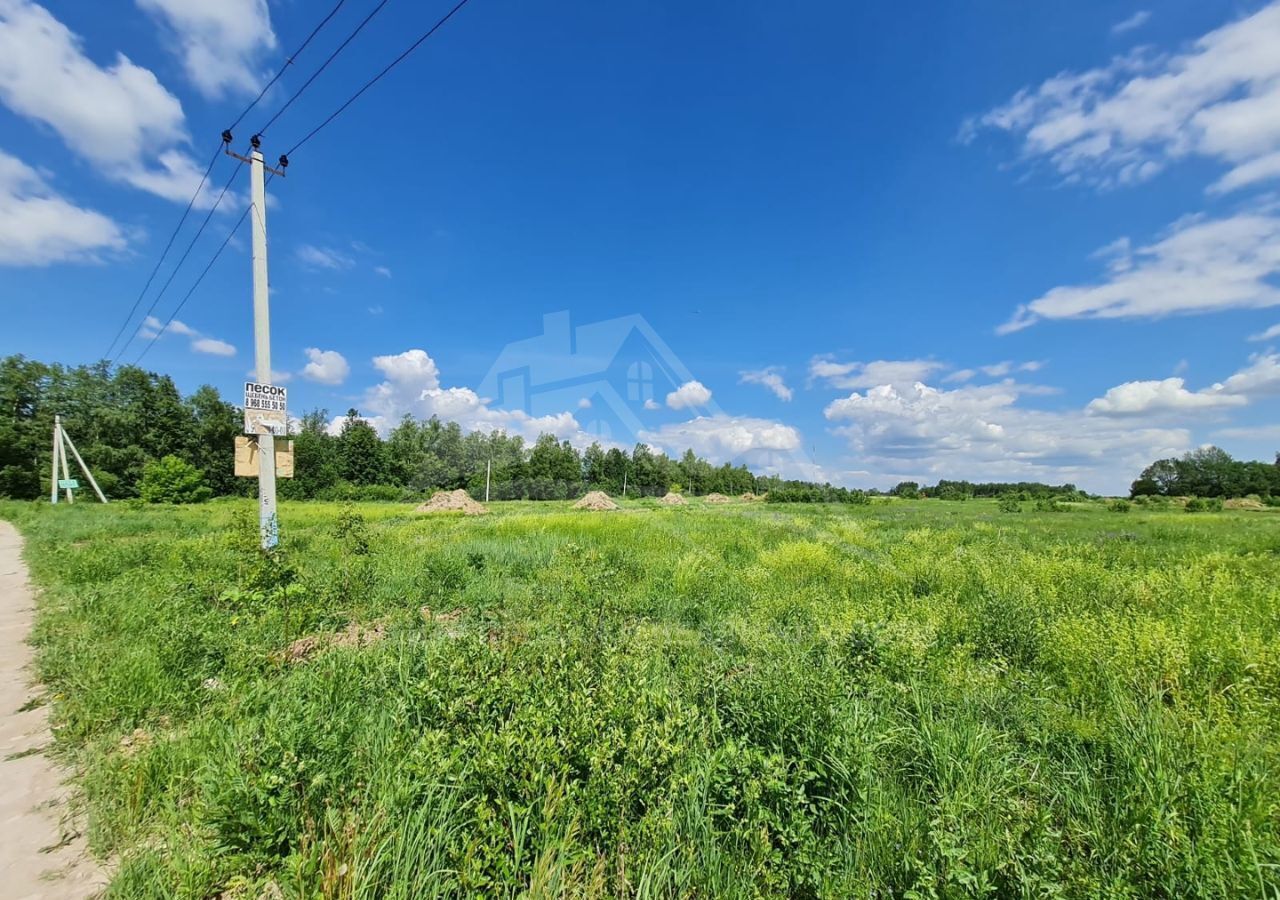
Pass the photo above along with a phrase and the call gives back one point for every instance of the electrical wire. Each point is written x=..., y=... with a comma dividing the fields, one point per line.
x=376, y=78
x=164, y=253
x=287, y=62
x=150, y=309
x=173, y=235
x=187, y=296
x=324, y=65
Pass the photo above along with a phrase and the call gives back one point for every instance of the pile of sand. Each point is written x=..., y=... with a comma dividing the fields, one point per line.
x=447, y=501
x=670, y=499
x=353, y=635
x=1244, y=503
x=716, y=498
x=596, y=500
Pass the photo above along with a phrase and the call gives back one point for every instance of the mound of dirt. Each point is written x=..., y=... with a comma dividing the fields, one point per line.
x=596, y=500
x=716, y=498
x=452, y=501
x=1244, y=503
x=354, y=635
x=670, y=499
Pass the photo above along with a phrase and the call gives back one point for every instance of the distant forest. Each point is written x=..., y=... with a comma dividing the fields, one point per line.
x=125, y=419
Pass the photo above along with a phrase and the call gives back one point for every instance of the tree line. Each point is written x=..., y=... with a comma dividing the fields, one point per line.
x=1208, y=472
x=127, y=421
x=966, y=490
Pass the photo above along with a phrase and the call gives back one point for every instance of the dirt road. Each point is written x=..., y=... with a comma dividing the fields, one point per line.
x=42, y=855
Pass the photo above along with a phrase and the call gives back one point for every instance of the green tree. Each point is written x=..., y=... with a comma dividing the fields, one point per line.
x=360, y=451
x=172, y=479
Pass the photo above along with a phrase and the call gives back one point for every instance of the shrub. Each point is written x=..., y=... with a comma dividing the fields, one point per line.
x=1050, y=505
x=173, y=480
x=1204, y=504
x=1010, y=504
x=1119, y=506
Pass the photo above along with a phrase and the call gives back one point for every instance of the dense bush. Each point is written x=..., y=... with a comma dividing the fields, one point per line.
x=804, y=492
x=1010, y=504
x=173, y=480
x=1204, y=504
x=1119, y=506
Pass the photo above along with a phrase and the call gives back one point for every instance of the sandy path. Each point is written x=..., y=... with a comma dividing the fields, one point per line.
x=42, y=857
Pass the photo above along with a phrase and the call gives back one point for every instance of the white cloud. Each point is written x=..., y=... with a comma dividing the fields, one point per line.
x=1169, y=395
x=412, y=385
x=960, y=375
x=584, y=403
x=119, y=117
x=688, y=395
x=769, y=378
x=38, y=227
x=1201, y=265
x=982, y=433
x=213, y=346
x=855, y=375
x=722, y=438
x=382, y=270
x=221, y=41
x=200, y=343
x=1123, y=123
x=1266, y=335
x=1260, y=378
x=1134, y=22
x=323, y=258
x=652, y=404
x=326, y=366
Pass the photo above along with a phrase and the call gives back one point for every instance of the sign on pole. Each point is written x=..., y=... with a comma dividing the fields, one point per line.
x=68, y=483
x=265, y=409
x=247, y=458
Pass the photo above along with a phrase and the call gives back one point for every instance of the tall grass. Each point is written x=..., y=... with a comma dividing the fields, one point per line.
x=909, y=699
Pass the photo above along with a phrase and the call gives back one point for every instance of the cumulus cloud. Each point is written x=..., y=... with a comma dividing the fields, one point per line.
x=412, y=385
x=1201, y=265
x=722, y=438
x=1267, y=334
x=200, y=343
x=325, y=366
x=213, y=347
x=1169, y=395
x=857, y=375
x=981, y=432
x=39, y=227
x=220, y=42
x=769, y=378
x=1260, y=378
x=118, y=117
x=688, y=395
x=652, y=404
x=1124, y=122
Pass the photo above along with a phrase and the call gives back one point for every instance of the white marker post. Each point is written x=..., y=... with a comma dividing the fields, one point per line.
x=268, y=523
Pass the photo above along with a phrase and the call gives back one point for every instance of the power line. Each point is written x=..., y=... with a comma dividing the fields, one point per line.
x=376, y=78
x=187, y=296
x=164, y=253
x=324, y=65
x=289, y=60
x=156, y=300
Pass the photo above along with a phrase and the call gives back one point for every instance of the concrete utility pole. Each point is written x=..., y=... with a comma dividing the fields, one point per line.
x=57, y=449
x=488, y=470
x=268, y=523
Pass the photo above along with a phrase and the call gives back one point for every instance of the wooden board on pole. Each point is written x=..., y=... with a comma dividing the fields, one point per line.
x=247, y=458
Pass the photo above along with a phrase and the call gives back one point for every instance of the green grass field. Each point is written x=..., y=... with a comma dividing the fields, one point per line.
x=910, y=699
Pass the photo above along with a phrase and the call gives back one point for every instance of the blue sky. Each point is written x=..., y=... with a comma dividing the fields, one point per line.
x=990, y=241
